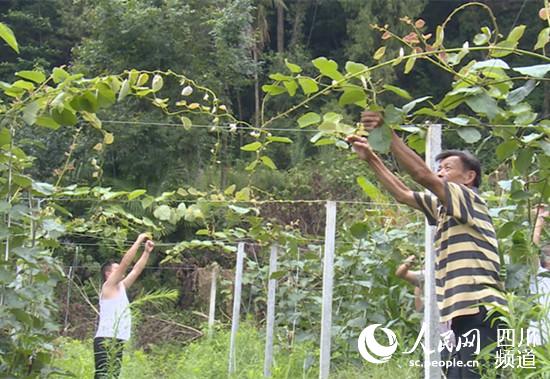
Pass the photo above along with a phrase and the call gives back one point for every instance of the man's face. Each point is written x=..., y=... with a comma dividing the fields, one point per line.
x=452, y=170
x=111, y=269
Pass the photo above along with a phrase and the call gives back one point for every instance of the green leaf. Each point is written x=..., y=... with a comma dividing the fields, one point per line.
x=507, y=229
x=353, y=96
x=370, y=189
x=92, y=119
x=462, y=121
x=359, y=230
x=439, y=36
x=47, y=122
x=124, y=90
x=64, y=117
x=469, y=134
x=23, y=84
x=276, y=275
x=327, y=127
x=59, y=75
x=157, y=84
x=545, y=146
x=252, y=165
x=498, y=53
x=327, y=67
x=398, y=91
x=325, y=142
x=543, y=38
x=379, y=53
x=136, y=193
x=243, y=194
x=291, y=87
x=536, y=71
x=515, y=34
x=5, y=136
x=108, y=138
x=273, y=89
x=517, y=95
x=481, y=39
x=308, y=85
x=268, y=162
x=356, y=68
x=491, y=63
x=163, y=212
x=45, y=189
x=410, y=105
x=29, y=112
x=380, y=139
x=186, y=122
x=35, y=76
x=254, y=146
x=7, y=35
x=523, y=161
x=506, y=149
x=279, y=139
x=483, y=104
x=409, y=65
x=142, y=79
x=294, y=68
x=308, y=119
x=239, y=210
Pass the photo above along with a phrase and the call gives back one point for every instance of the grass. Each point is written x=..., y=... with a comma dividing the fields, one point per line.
x=208, y=359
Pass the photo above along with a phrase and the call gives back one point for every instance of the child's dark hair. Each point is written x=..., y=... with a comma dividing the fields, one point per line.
x=105, y=267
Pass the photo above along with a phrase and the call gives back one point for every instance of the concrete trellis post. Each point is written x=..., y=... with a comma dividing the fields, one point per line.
x=212, y=307
x=431, y=313
x=270, y=319
x=328, y=274
x=236, y=307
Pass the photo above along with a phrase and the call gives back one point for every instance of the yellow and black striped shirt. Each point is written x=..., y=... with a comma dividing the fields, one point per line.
x=467, y=261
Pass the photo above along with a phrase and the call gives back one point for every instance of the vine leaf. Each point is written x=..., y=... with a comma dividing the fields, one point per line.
x=380, y=139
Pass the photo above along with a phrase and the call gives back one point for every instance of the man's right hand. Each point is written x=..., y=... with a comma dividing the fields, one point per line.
x=371, y=120
x=360, y=146
x=149, y=246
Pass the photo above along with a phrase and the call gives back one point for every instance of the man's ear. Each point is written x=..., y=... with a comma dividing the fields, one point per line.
x=470, y=177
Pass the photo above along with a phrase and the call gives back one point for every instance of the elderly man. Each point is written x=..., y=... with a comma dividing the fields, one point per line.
x=467, y=261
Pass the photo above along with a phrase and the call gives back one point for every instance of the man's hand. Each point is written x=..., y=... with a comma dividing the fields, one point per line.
x=360, y=146
x=371, y=120
x=149, y=246
x=142, y=237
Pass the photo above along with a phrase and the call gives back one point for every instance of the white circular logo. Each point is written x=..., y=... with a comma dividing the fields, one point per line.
x=367, y=344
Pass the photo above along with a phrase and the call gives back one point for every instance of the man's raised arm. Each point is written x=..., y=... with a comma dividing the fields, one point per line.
x=408, y=159
x=127, y=259
x=389, y=181
x=140, y=265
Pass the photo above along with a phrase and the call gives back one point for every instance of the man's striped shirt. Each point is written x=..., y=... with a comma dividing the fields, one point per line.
x=467, y=261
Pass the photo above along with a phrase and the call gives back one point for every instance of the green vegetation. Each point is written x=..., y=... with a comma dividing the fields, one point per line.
x=207, y=359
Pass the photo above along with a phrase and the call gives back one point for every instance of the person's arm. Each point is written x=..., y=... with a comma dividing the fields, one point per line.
x=408, y=159
x=118, y=274
x=389, y=181
x=403, y=271
x=539, y=224
x=140, y=265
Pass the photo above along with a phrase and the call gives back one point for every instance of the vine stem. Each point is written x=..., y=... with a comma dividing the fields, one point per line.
x=67, y=161
x=390, y=62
